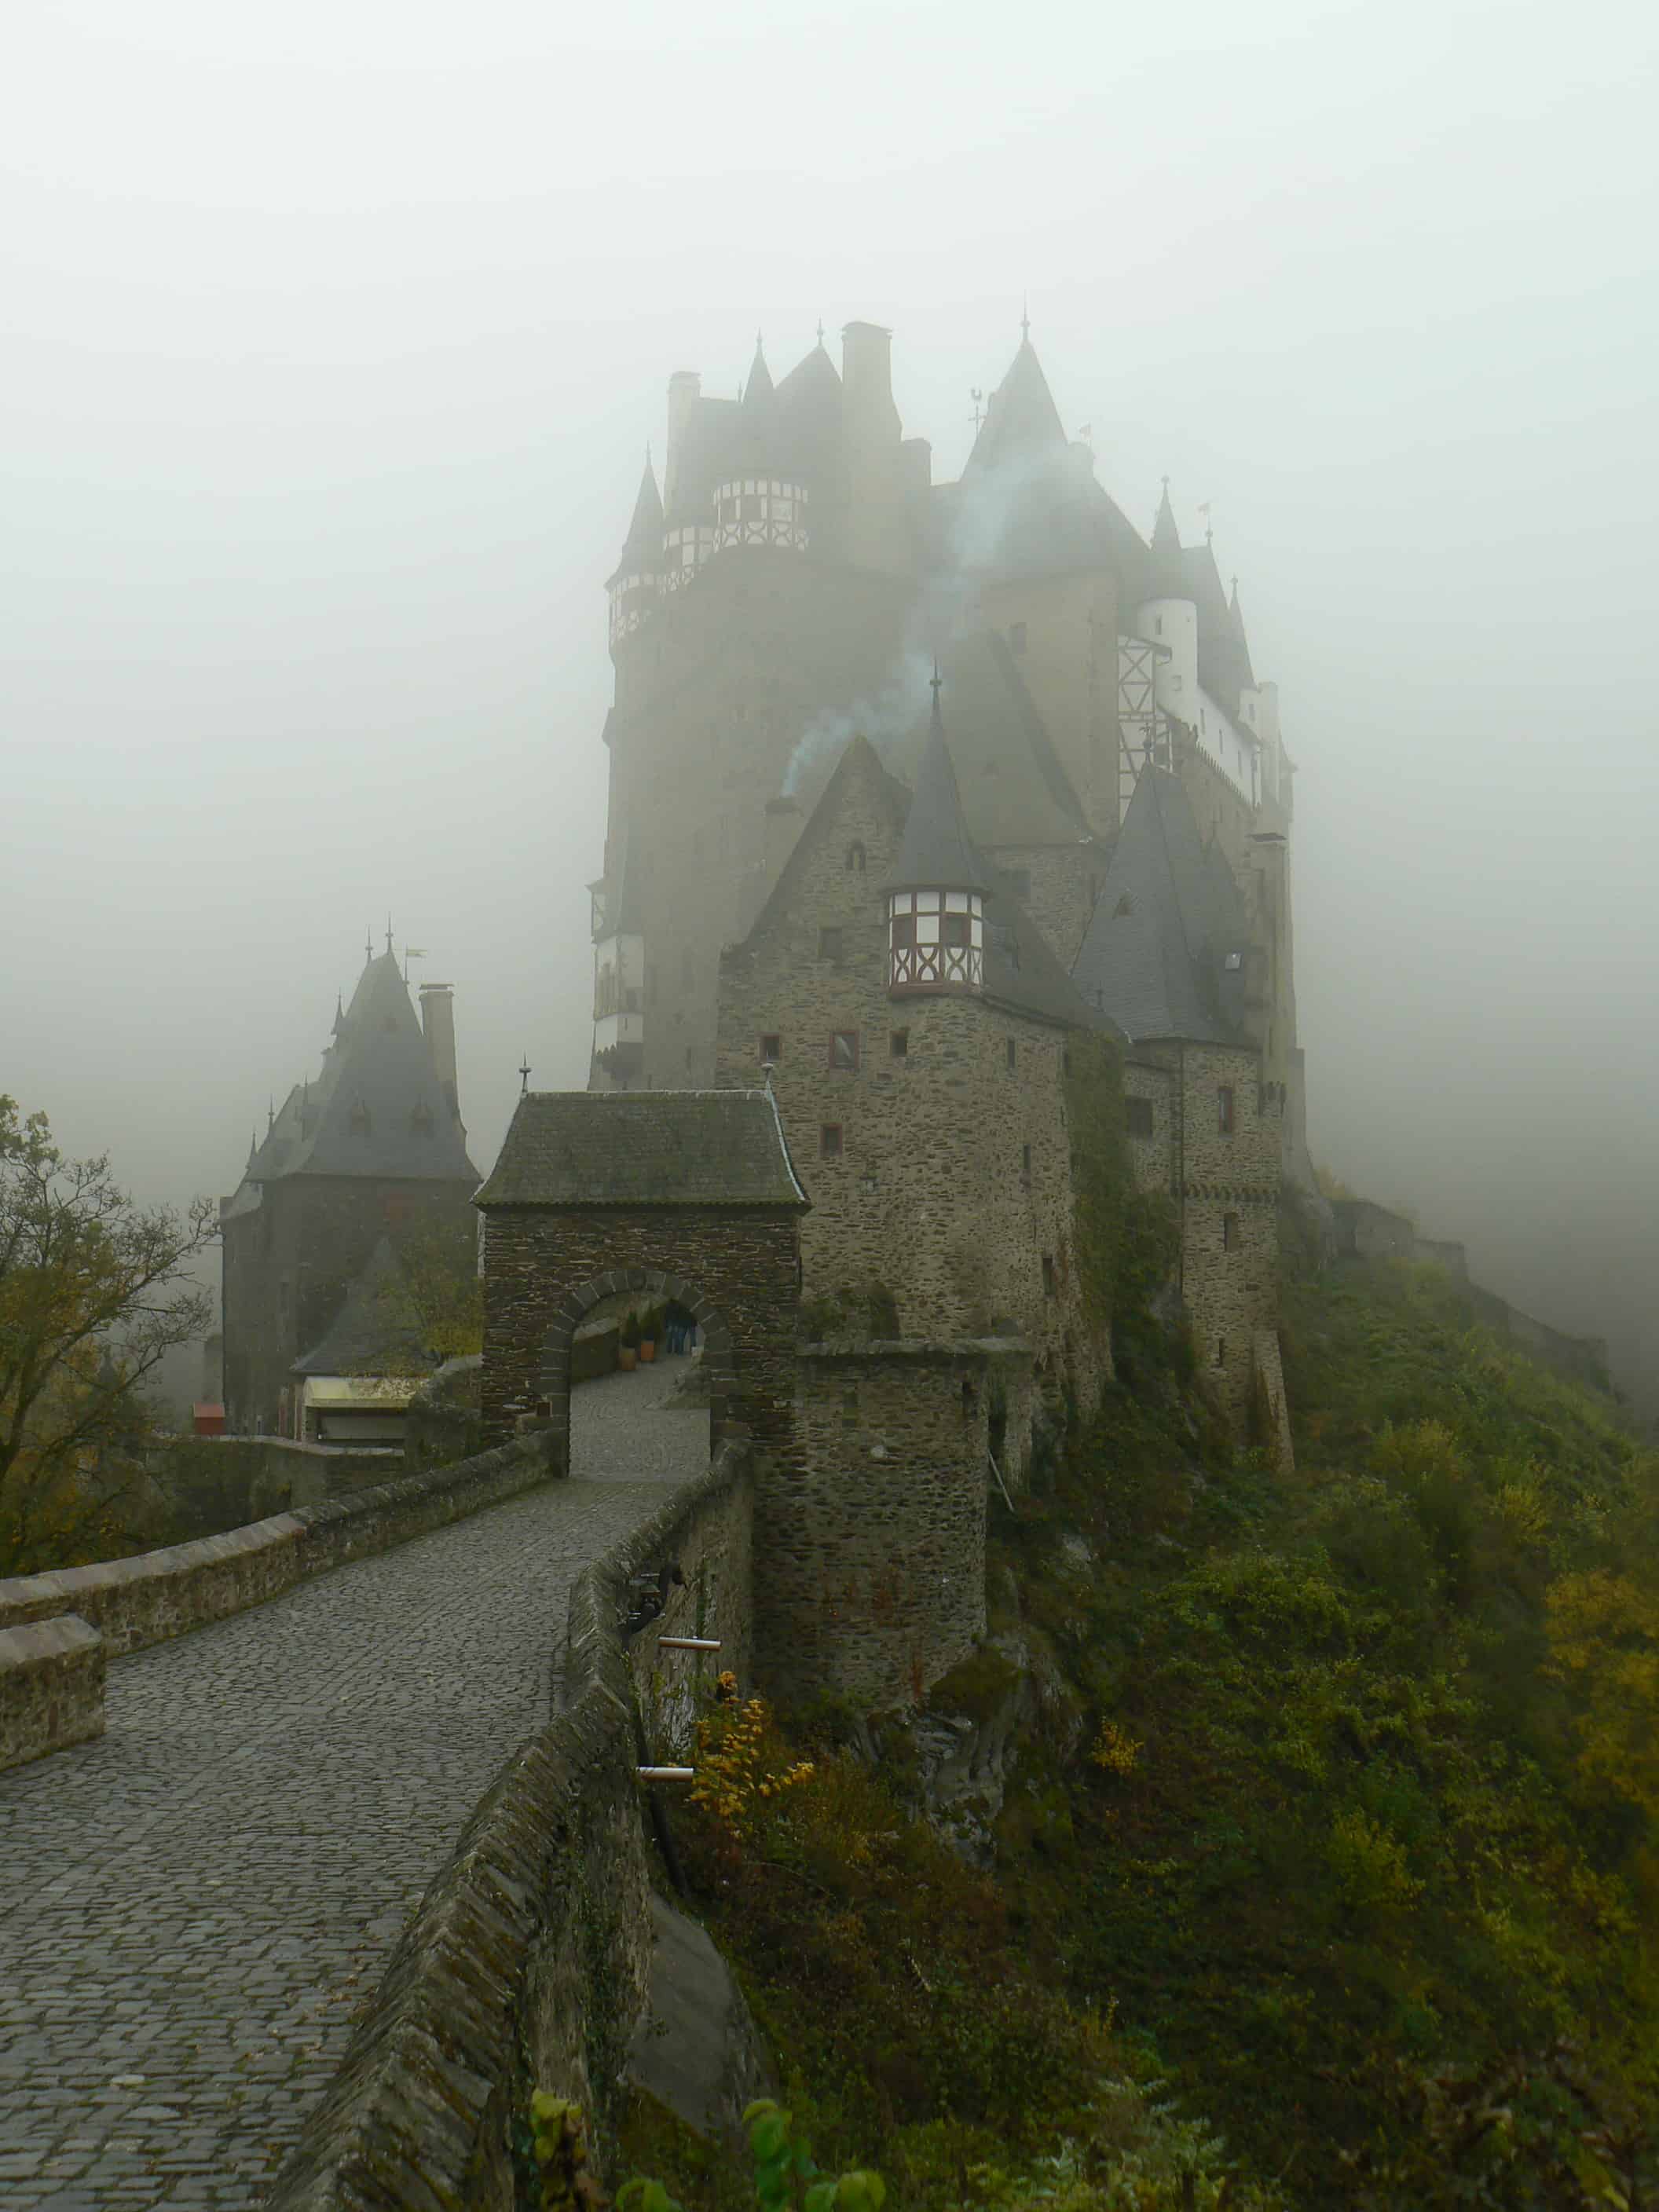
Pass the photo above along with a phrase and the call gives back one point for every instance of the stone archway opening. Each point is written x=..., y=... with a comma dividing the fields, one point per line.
x=636, y=1374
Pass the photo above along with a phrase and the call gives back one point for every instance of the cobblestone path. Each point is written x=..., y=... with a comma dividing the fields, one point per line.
x=192, y=1908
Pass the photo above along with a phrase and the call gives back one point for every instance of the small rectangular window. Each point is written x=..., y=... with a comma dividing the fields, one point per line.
x=1025, y=1161
x=1221, y=1351
x=844, y=1048
x=898, y=1044
x=1050, y=1284
x=830, y=944
x=1230, y=1232
x=1138, y=1115
x=829, y=1140
x=1224, y=1098
x=771, y=1049
x=1012, y=1055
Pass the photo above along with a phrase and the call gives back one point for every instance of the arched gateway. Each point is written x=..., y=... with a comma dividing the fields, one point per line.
x=682, y=1195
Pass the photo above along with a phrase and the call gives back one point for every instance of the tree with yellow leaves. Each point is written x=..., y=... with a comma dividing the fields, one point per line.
x=1604, y=1644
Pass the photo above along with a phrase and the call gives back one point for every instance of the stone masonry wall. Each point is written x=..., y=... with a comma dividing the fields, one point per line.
x=713, y=697
x=874, y=1548
x=51, y=1688
x=139, y=1601
x=739, y=1268
x=952, y=1181
x=1064, y=883
x=525, y=1965
x=1228, y=1189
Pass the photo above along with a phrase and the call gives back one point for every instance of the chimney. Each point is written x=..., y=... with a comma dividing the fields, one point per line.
x=866, y=378
x=783, y=826
x=684, y=390
x=438, y=1020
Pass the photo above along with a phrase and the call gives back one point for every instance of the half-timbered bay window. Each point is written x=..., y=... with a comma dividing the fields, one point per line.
x=937, y=940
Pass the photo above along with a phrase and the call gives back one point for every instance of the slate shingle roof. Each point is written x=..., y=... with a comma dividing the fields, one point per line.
x=937, y=852
x=642, y=547
x=1013, y=788
x=378, y=1108
x=576, y=1148
x=1155, y=956
x=367, y=1337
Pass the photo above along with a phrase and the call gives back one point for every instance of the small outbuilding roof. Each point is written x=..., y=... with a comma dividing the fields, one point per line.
x=582, y=1148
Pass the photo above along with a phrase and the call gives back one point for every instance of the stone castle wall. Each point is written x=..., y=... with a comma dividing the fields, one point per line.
x=931, y=1194
x=874, y=1546
x=1057, y=885
x=713, y=697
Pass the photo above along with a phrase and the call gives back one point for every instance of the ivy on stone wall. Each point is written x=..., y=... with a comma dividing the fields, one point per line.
x=1124, y=1240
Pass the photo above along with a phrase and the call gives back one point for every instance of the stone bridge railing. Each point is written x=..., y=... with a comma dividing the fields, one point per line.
x=526, y=1965
x=58, y=1630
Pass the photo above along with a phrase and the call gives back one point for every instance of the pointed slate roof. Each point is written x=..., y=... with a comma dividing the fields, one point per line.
x=588, y=1148
x=1012, y=787
x=642, y=547
x=1021, y=420
x=758, y=391
x=1155, y=956
x=379, y=1107
x=1165, y=548
x=367, y=1336
x=936, y=853
x=1242, y=644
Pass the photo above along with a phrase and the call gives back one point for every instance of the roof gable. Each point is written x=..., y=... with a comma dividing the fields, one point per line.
x=574, y=1149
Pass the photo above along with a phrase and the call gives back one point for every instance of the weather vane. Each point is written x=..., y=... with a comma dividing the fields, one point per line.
x=524, y=1075
x=977, y=396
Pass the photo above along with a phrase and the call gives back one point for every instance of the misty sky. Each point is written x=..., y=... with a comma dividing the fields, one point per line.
x=332, y=339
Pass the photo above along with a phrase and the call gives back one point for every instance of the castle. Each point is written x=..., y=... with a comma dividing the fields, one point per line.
x=898, y=908
x=943, y=818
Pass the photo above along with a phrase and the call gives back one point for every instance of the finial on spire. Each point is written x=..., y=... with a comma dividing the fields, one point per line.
x=759, y=341
x=1164, y=480
x=1025, y=315
x=388, y=932
x=936, y=684
x=524, y=1075
x=271, y=1116
x=368, y=944
x=820, y=330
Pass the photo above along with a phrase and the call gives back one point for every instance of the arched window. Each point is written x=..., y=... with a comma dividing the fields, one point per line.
x=855, y=859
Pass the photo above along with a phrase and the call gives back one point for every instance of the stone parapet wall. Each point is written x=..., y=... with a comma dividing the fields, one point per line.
x=143, y=1601
x=525, y=1965
x=51, y=1688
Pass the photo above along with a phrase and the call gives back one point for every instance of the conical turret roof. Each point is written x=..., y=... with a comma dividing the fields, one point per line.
x=1236, y=620
x=1166, y=578
x=641, y=552
x=938, y=853
x=758, y=389
x=1023, y=420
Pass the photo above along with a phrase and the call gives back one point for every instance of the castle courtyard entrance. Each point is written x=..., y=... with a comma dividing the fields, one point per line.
x=637, y=1206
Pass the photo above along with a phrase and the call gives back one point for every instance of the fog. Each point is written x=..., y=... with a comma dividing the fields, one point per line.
x=332, y=342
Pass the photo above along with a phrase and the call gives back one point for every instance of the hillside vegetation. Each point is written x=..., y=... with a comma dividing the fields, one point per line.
x=1327, y=1827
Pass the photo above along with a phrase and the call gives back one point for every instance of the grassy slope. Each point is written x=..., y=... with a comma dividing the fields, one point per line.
x=1344, y=1832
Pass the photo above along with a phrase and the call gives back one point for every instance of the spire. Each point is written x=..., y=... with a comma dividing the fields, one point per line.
x=253, y=1153
x=937, y=853
x=641, y=552
x=339, y=1013
x=1023, y=419
x=1166, y=539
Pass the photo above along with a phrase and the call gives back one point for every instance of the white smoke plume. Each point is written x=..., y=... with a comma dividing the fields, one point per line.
x=983, y=509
